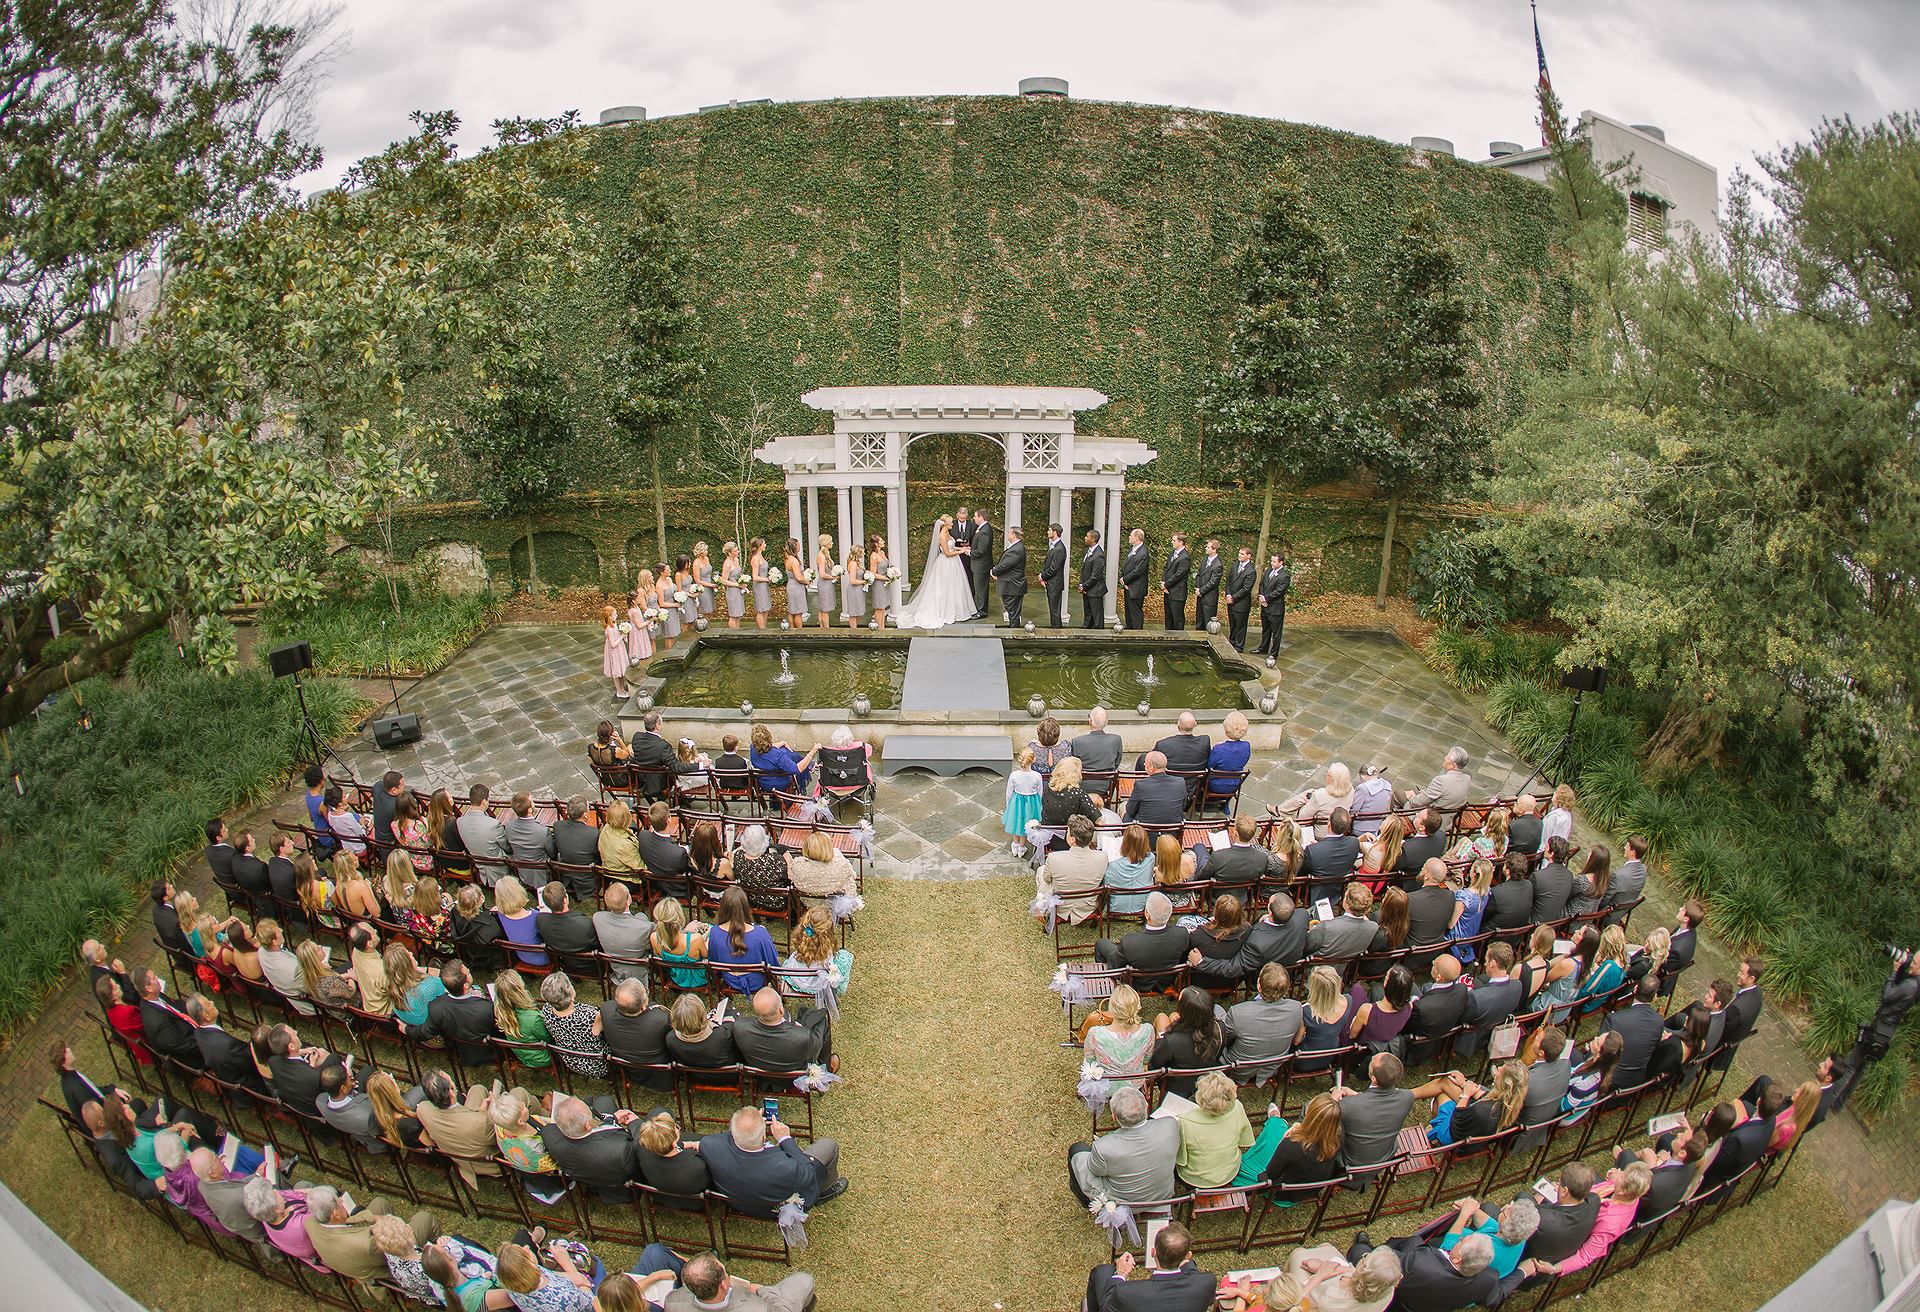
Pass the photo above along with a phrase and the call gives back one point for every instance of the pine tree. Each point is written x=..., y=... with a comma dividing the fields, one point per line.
x=1421, y=430
x=1277, y=399
x=656, y=360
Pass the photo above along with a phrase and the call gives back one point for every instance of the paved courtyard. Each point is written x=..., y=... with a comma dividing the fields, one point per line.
x=516, y=708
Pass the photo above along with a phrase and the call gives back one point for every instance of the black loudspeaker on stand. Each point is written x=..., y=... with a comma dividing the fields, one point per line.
x=1559, y=762
x=287, y=662
x=395, y=730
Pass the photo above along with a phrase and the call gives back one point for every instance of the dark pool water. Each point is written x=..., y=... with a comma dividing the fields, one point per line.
x=1115, y=675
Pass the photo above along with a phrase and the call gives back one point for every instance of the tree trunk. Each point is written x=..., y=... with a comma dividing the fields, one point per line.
x=659, y=503
x=1266, y=523
x=386, y=546
x=1689, y=735
x=1386, y=553
x=533, y=567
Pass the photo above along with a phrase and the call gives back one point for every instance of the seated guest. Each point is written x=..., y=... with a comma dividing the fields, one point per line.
x=775, y=767
x=1116, y=1040
x=815, y=946
x=1242, y=861
x=619, y=851
x=738, y=940
x=707, y=859
x=112, y=1133
x=528, y=839
x=282, y=1214
x=1549, y=975
x=1492, y=1003
x=1743, y=1009
x=1566, y=1222
x=1628, y=882
x=1431, y=910
x=1155, y=951
x=568, y=932
x=1673, y=1164
x=532, y=1287
x=1510, y=903
x=1309, y=1151
x=670, y=1164
x=1132, y=868
x=1277, y=938
x=295, y=1068
x=460, y=1015
x=1370, y=1118
x=1096, y=749
x=1348, y=934
x=1640, y=1026
x=124, y=1017
x=768, y=1040
x=1372, y=800
x=1380, y=851
x=1439, y=1010
x=1525, y=830
x=1063, y=797
x=1508, y=1232
x=516, y=1016
x=343, y=1241
x=1173, y=1282
x=343, y=1105
x=573, y=1030
x=636, y=1033
x=168, y=1030
x=1157, y=799
x=1186, y=750
x=1553, y=885
x=1620, y=1201
x=222, y=1055
x=518, y=923
x=78, y=1090
x=1549, y=1069
x=820, y=871
x=667, y=862
x=608, y=748
x=695, y=1040
x=1377, y=1022
x=406, y=1257
x=1264, y=1027
x=282, y=967
x=1474, y=1111
x=399, y=1124
x=1469, y=909
x=679, y=944
x=1607, y=971
x=621, y=931
x=1285, y=854
x=1433, y=1279
x=94, y=954
x=758, y=1176
x=1191, y=1038
x=476, y=931
x=756, y=867
x=1215, y=946
x=577, y=843
x=224, y=1196
x=1048, y=750
x=368, y=970
x=1325, y=1022
x=1213, y=1134
x=1594, y=1077
x=1447, y=791
x=704, y=1283
x=1327, y=1282
x=1229, y=756
x=1078, y=868
x=595, y=1149
x=1173, y=865
x=516, y=1137
x=409, y=989
x=1310, y=807
x=166, y=921
x=1330, y=861
x=1134, y=1163
x=460, y=1128
x=1681, y=943
x=1390, y=935
x=1425, y=845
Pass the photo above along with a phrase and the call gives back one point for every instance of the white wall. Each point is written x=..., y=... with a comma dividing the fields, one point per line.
x=1690, y=185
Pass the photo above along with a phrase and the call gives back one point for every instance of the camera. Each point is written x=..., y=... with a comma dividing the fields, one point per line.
x=1899, y=954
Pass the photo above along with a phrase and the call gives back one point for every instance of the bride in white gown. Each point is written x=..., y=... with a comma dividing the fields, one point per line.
x=945, y=594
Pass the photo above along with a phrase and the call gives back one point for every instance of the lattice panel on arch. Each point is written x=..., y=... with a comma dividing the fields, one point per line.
x=1040, y=451
x=866, y=450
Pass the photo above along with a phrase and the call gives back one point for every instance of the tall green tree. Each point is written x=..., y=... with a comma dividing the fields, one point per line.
x=520, y=444
x=1278, y=400
x=1421, y=429
x=1727, y=485
x=655, y=364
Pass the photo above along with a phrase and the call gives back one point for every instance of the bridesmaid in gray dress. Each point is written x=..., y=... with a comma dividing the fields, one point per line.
x=823, y=584
x=853, y=593
x=703, y=576
x=732, y=583
x=683, y=583
x=670, y=616
x=796, y=572
x=762, y=590
x=879, y=585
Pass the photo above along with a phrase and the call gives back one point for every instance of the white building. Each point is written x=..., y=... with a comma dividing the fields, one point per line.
x=1665, y=188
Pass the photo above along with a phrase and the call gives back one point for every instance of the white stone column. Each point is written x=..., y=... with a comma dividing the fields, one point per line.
x=1115, y=546
x=859, y=515
x=1013, y=508
x=896, y=498
x=794, y=527
x=843, y=521
x=1074, y=549
x=809, y=543
x=1100, y=518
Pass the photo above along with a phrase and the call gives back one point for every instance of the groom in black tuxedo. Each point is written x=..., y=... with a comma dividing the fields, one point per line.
x=1093, y=584
x=1053, y=575
x=980, y=561
x=1012, y=573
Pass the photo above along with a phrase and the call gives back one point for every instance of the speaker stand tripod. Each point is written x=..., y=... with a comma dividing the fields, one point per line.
x=1558, y=761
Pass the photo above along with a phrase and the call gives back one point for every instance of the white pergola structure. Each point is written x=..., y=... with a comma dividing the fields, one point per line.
x=874, y=426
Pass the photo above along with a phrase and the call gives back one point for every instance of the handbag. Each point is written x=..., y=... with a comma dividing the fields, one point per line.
x=1504, y=1041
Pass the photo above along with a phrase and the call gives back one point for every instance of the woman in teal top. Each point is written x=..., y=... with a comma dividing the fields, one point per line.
x=1609, y=970
x=1133, y=868
x=815, y=947
x=409, y=988
x=1508, y=1232
x=674, y=940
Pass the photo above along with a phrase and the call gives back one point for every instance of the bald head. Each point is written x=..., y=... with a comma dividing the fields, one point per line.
x=1186, y=722
x=207, y=1165
x=1446, y=968
x=93, y=952
x=767, y=1007
x=1097, y=718
x=1156, y=762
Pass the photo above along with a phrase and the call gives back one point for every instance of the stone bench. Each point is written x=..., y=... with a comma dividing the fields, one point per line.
x=946, y=754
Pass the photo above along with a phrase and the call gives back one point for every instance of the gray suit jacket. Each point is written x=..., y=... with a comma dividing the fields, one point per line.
x=1546, y=1086
x=484, y=837
x=1132, y=1165
x=355, y=1119
x=1262, y=1030
x=1639, y=1027
x=1370, y=1121
x=529, y=839
x=1343, y=936
x=1629, y=882
x=1097, y=751
x=223, y=1200
x=1446, y=791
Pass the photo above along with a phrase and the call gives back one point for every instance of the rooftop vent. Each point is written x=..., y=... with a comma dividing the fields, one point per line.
x=734, y=104
x=1433, y=145
x=1502, y=149
x=1651, y=130
x=1049, y=88
x=623, y=114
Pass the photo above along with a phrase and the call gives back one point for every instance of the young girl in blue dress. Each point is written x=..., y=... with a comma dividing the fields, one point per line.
x=1023, y=801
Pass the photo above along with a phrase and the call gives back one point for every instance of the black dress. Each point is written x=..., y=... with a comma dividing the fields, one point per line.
x=1219, y=951
x=710, y=1053
x=1294, y=1163
x=1174, y=1051
x=452, y=854
x=1057, y=806
x=682, y=1177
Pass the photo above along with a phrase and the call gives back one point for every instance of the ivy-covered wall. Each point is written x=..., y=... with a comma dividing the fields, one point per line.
x=1008, y=240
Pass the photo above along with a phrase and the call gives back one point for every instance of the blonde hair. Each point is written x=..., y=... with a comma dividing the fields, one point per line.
x=1323, y=994
x=660, y=1134
x=1124, y=1005
x=426, y=896
x=1025, y=759
x=1541, y=943
x=689, y=1017
x=1282, y=1294
x=1066, y=774
x=619, y=815
x=1481, y=876
x=1613, y=946
x=813, y=938
x=1635, y=1179
x=1214, y=1092
x=403, y=972
x=389, y=1104
x=346, y=866
x=1339, y=781
x=517, y=1270
x=1659, y=944
x=1168, y=860
x=1496, y=826
x=510, y=896
x=510, y=998
x=399, y=876
x=186, y=906
x=313, y=966
x=818, y=847
x=1509, y=1090
x=1562, y=798
x=670, y=922
x=1234, y=726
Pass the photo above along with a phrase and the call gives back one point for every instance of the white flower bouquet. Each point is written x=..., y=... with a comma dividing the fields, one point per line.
x=625, y=628
x=679, y=597
x=652, y=613
x=775, y=576
x=893, y=571
x=809, y=576
x=835, y=571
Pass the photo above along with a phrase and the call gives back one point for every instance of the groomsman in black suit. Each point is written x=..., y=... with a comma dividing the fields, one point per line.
x=980, y=561
x=1240, y=585
x=1133, y=579
x=1173, y=584
x=1053, y=576
x=1273, y=603
x=1012, y=573
x=1093, y=583
x=1206, y=586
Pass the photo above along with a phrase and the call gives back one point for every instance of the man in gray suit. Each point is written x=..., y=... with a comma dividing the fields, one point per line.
x=1546, y=1083
x=1348, y=933
x=223, y=1196
x=1265, y=1025
x=1370, y=1119
x=528, y=839
x=1447, y=791
x=483, y=836
x=1133, y=1163
x=1096, y=749
x=1011, y=571
x=705, y=1283
x=1629, y=881
x=347, y=1109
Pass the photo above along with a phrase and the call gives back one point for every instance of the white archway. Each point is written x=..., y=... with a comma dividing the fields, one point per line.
x=874, y=426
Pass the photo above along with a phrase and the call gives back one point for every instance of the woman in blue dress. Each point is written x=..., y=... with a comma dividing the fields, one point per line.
x=737, y=940
x=775, y=765
x=1231, y=753
x=1608, y=972
x=1133, y=868
x=1469, y=906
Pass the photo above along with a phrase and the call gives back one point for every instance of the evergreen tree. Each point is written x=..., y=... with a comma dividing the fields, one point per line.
x=520, y=444
x=655, y=362
x=1278, y=397
x=1421, y=429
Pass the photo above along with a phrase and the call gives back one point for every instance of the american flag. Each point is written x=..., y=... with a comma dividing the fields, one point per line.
x=1540, y=56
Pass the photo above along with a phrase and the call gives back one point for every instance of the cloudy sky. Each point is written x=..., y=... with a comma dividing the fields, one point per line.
x=1728, y=79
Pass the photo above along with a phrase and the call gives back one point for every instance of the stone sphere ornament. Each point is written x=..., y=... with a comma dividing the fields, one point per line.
x=785, y=625
x=862, y=705
x=1144, y=709
x=1036, y=706
x=746, y=708
x=1213, y=627
x=1029, y=626
x=1269, y=703
x=874, y=625
x=700, y=624
x=643, y=701
x=1119, y=626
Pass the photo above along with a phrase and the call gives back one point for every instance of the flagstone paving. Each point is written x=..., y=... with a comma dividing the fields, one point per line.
x=514, y=710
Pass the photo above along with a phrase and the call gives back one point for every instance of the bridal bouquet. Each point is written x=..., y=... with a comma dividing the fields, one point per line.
x=775, y=576
x=834, y=572
x=893, y=571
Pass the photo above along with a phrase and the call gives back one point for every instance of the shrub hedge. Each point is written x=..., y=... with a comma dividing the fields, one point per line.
x=345, y=628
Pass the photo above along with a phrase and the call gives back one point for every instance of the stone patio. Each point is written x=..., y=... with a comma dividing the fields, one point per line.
x=515, y=709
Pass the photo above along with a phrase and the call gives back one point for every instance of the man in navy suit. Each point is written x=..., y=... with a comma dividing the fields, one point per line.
x=1053, y=576
x=1172, y=1284
x=757, y=1176
x=1158, y=799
